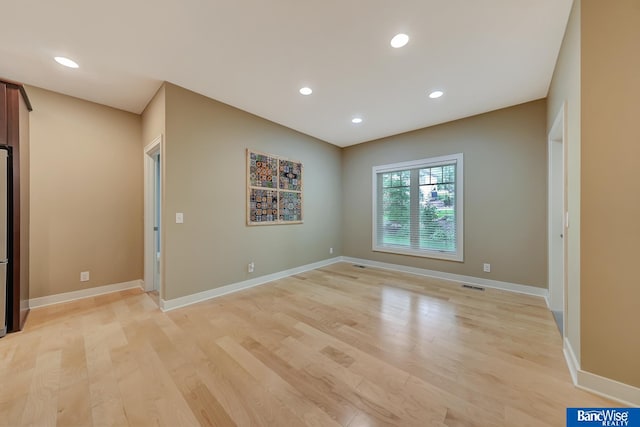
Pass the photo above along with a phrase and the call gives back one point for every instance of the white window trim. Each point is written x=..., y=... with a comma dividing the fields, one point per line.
x=430, y=162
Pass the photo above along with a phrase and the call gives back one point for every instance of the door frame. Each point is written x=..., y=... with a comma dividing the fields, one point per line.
x=154, y=148
x=558, y=292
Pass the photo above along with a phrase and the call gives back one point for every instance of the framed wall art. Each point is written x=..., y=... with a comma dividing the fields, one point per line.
x=274, y=189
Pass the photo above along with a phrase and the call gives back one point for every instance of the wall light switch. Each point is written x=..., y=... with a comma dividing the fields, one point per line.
x=179, y=218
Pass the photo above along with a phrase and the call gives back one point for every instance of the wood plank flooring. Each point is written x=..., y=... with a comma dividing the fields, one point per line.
x=338, y=346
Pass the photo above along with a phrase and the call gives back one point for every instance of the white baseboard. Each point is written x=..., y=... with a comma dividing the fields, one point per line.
x=608, y=388
x=572, y=361
x=84, y=293
x=605, y=387
x=172, y=304
x=475, y=281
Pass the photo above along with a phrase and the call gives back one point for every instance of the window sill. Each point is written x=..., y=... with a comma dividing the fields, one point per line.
x=447, y=256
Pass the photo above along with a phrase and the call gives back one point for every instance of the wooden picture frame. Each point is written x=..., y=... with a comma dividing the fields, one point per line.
x=274, y=189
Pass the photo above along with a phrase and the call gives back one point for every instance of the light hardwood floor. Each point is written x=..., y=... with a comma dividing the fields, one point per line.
x=336, y=346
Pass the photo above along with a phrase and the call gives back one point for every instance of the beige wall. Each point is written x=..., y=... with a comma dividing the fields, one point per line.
x=153, y=117
x=505, y=192
x=565, y=90
x=86, y=194
x=610, y=228
x=205, y=179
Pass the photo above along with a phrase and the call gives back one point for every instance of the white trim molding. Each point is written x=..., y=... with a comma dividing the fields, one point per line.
x=84, y=293
x=150, y=256
x=556, y=212
x=476, y=281
x=605, y=387
x=572, y=361
x=172, y=304
x=611, y=389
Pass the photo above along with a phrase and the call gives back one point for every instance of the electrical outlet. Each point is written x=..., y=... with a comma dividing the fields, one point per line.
x=487, y=268
x=250, y=267
x=84, y=276
x=330, y=251
x=179, y=218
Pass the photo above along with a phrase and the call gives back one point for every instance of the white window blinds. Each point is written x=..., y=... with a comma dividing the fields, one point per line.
x=418, y=207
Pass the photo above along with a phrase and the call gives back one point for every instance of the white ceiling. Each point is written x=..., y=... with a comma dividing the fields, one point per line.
x=256, y=54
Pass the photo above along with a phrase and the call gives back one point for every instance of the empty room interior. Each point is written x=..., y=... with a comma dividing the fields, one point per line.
x=318, y=213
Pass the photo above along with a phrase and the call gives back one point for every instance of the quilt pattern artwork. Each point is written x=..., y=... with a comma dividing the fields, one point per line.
x=263, y=170
x=290, y=177
x=263, y=205
x=290, y=206
x=274, y=189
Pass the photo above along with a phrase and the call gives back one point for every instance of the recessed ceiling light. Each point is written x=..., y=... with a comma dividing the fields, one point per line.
x=306, y=91
x=436, y=94
x=399, y=40
x=66, y=62
x=356, y=120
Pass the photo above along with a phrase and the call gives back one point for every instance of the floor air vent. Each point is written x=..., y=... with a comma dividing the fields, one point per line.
x=475, y=288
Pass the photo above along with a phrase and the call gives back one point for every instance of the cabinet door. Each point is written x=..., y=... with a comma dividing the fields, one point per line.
x=3, y=114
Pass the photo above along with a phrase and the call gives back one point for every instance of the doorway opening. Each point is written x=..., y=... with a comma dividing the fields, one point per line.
x=153, y=218
x=557, y=214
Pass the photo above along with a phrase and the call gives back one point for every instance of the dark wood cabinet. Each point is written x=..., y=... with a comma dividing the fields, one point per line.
x=14, y=134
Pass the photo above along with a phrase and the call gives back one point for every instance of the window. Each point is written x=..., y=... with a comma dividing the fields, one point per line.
x=417, y=208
